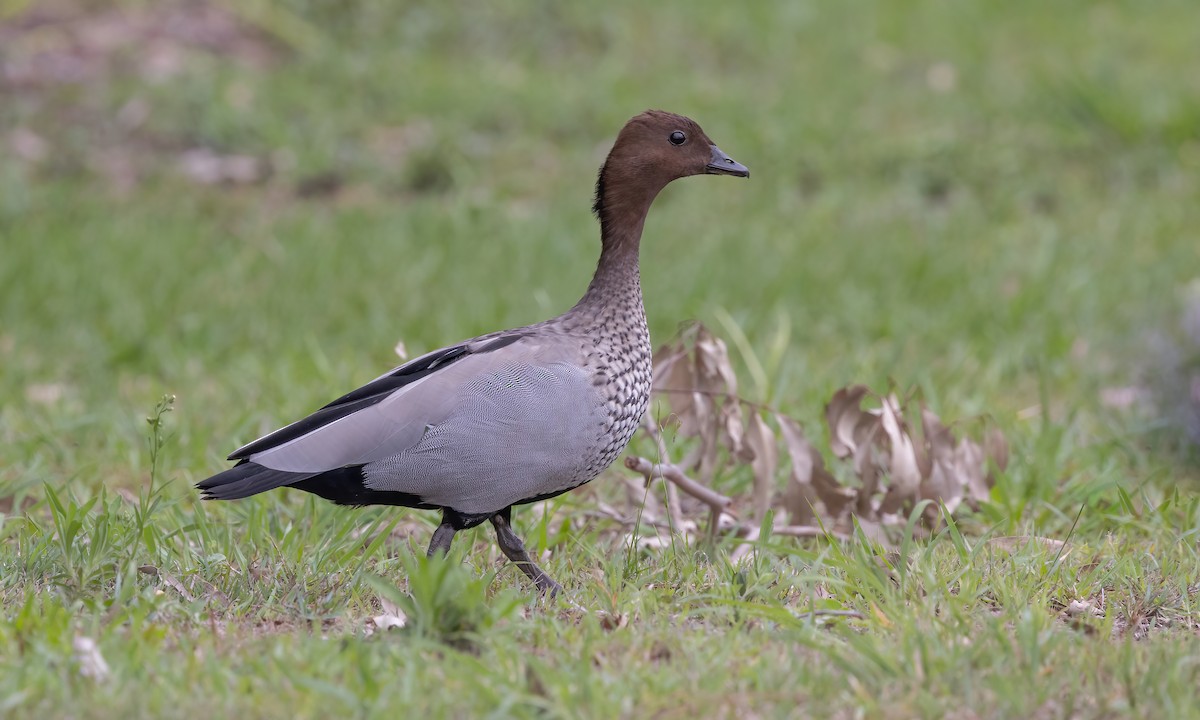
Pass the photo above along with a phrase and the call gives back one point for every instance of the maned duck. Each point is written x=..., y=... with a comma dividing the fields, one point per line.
x=511, y=417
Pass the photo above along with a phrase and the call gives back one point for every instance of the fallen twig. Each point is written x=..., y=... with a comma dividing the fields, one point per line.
x=715, y=500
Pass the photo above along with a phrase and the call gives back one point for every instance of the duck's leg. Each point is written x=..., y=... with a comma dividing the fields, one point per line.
x=442, y=537
x=514, y=550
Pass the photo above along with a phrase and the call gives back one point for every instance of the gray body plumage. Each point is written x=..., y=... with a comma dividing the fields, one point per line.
x=516, y=431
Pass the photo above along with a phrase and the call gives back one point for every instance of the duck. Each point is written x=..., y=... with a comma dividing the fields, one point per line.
x=511, y=417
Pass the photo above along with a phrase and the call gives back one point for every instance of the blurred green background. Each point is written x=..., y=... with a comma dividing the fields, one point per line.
x=247, y=204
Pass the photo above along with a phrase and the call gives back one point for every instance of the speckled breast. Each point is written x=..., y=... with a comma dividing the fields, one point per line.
x=624, y=373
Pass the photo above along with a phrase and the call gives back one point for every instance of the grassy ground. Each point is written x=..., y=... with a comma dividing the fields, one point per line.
x=996, y=203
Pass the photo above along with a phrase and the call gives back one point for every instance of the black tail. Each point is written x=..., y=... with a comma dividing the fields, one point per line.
x=246, y=479
x=344, y=486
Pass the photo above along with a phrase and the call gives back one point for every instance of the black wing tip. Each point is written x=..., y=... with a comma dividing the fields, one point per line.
x=412, y=370
x=373, y=392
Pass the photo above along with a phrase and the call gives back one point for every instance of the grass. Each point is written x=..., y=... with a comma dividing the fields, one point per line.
x=994, y=204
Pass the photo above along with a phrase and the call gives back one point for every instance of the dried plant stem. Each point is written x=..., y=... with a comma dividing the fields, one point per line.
x=674, y=510
x=716, y=502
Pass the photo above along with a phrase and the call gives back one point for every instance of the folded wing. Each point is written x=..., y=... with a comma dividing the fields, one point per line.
x=475, y=427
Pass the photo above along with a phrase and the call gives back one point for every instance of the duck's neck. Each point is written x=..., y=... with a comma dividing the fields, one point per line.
x=621, y=207
x=616, y=281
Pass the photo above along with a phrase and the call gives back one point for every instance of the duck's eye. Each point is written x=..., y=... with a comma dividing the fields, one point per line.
x=677, y=138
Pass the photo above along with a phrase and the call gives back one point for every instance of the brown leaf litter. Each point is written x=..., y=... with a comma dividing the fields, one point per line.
x=893, y=453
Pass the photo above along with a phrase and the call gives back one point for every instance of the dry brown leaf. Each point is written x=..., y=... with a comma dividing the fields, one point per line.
x=844, y=415
x=735, y=433
x=687, y=406
x=699, y=382
x=904, y=475
x=887, y=455
x=942, y=486
x=761, y=440
x=866, y=466
x=665, y=359
x=935, y=437
x=900, y=453
x=712, y=363
x=812, y=490
x=971, y=465
x=903, y=466
x=942, y=482
x=710, y=432
x=695, y=375
x=801, y=499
